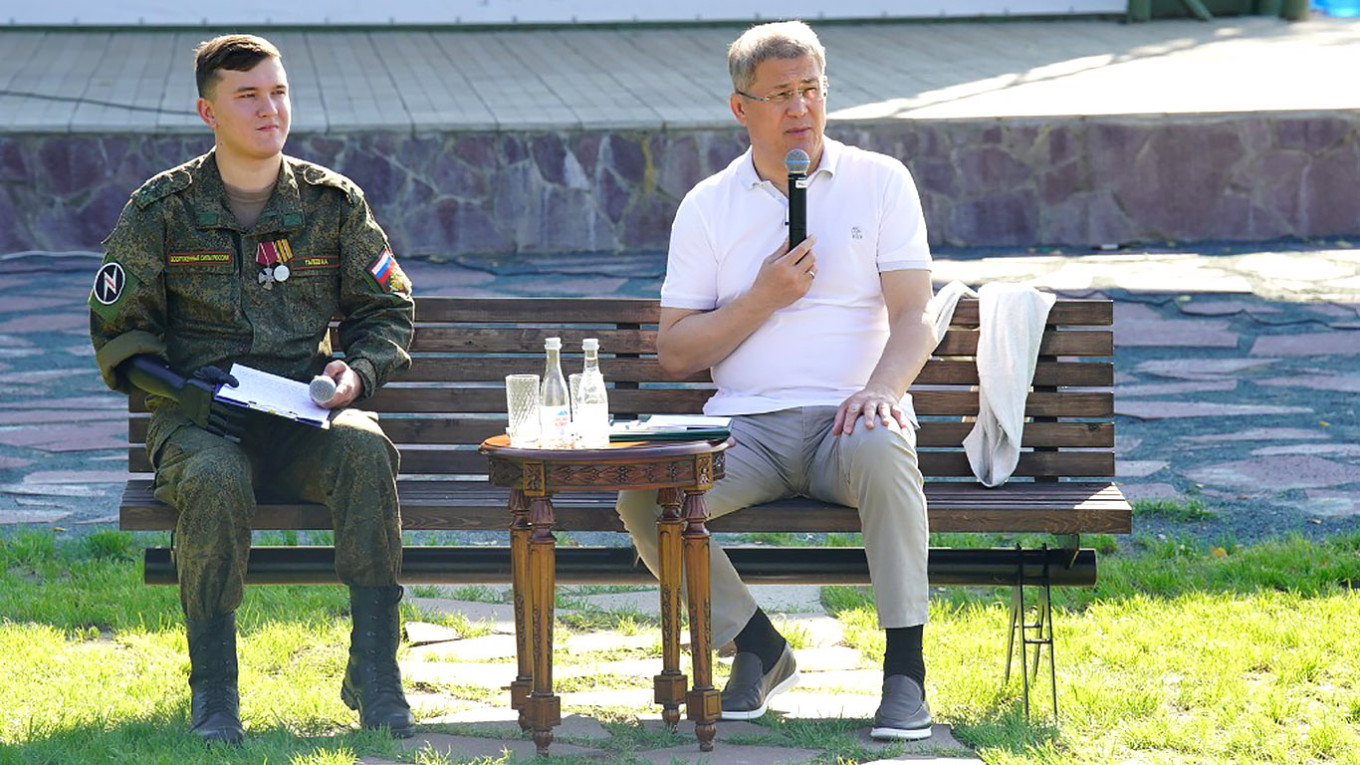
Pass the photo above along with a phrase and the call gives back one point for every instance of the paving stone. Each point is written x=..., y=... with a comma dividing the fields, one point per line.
x=1162, y=410
x=727, y=754
x=865, y=681
x=629, y=698
x=45, y=323
x=1174, y=389
x=1124, y=445
x=1135, y=491
x=504, y=721
x=802, y=705
x=1138, y=468
x=822, y=630
x=30, y=416
x=428, y=705
x=14, y=462
x=1258, y=434
x=727, y=729
x=642, y=601
x=475, y=674
x=472, y=649
x=91, y=436
x=941, y=742
x=423, y=633
x=1200, y=369
x=501, y=616
x=77, y=476
x=640, y=668
x=828, y=658
x=1343, y=383
x=1226, y=308
x=1278, y=473
x=52, y=490
x=592, y=642
x=32, y=516
x=470, y=748
x=1331, y=504
x=1308, y=344
x=71, y=403
x=1337, y=450
x=789, y=599
x=1174, y=333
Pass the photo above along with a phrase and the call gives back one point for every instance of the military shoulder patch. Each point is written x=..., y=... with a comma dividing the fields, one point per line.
x=388, y=274
x=111, y=283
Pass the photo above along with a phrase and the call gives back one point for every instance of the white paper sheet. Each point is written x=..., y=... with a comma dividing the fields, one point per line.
x=265, y=392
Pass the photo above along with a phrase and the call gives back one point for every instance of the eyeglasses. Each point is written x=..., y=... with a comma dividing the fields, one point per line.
x=811, y=94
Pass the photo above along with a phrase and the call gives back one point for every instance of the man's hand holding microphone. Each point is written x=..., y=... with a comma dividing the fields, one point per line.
x=336, y=386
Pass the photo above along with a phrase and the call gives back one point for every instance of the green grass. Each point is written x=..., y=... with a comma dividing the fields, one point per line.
x=1186, y=651
x=1172, y=510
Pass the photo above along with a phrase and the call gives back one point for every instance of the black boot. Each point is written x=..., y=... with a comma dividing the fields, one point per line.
x=214, y=712
x=372, y=680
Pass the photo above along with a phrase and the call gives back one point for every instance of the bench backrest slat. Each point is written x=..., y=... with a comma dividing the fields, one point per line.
x=453, y=396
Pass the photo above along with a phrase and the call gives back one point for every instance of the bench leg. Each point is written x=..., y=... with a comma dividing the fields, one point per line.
x=670, y=684
x=544, y=708
x=519, y=577
x=1038, y=633
x=704, y=704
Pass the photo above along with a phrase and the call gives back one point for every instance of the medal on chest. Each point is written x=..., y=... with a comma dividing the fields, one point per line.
x=273, y=258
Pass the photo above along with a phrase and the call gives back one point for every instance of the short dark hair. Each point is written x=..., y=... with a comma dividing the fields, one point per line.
x=238, y=53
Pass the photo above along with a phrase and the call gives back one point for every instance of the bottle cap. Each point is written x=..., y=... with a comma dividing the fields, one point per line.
x=590, y=344
x=552, y=343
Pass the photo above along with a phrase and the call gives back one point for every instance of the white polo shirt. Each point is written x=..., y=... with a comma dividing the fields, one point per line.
x=865, y=212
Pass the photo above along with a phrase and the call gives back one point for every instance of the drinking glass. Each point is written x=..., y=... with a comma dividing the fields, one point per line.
x=522, y=401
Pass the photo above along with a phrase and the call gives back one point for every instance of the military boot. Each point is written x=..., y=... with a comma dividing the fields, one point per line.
x=372, y=680
x=214, y=711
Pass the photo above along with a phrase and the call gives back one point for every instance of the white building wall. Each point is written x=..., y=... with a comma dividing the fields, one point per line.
x=445, y=12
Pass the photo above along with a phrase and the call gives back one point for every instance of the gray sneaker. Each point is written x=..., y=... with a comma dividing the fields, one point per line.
x=748, y=690
x=902, y=714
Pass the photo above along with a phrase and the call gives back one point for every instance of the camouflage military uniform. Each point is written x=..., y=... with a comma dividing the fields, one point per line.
x=180, y=280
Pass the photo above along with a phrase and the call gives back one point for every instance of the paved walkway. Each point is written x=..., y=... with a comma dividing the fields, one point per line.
x=408, y=81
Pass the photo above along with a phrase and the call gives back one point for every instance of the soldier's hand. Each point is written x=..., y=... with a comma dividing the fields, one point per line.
x=197, y=401
x=786, y=274
x=348, y=385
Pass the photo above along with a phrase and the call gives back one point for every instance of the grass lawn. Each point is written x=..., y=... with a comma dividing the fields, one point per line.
x=1184, y=653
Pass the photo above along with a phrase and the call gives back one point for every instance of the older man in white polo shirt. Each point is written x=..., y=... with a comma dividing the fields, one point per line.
x=812, y=350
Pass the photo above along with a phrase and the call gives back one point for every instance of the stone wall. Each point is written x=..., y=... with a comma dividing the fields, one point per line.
x=1014, y=181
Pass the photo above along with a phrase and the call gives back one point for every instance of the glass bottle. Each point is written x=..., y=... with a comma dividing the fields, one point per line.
x=554, y=414
x=592, y=406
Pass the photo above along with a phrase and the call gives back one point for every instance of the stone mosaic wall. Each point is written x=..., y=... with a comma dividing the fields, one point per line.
x=1011, y=181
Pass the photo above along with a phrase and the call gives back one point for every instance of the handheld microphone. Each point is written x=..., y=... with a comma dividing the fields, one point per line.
x=796, y=163
x=321, y=389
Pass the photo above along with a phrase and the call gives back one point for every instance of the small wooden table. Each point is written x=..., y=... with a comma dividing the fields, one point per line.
x=682, y=472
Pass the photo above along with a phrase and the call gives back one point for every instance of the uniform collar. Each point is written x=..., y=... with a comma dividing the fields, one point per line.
x=283, y=211
x=831, y=154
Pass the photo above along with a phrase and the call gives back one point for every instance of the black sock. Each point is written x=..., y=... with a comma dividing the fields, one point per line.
x=903, y=655
x=761, y=638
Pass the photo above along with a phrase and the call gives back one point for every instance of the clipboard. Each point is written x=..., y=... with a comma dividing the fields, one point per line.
x=269, y=393
x=670, y=427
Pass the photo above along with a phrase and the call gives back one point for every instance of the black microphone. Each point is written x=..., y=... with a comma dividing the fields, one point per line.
x=796, y=162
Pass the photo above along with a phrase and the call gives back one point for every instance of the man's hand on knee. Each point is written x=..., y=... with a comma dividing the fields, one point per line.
x=875, y=406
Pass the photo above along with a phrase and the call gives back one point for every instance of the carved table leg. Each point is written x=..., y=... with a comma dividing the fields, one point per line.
x=519, y=577
x=544, y=707
x=704, y=703
x=670, y=684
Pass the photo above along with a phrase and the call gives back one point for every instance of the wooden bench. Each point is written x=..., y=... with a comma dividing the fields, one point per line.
x=453, y=397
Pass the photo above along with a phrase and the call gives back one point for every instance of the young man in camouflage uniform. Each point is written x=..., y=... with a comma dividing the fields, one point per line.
x=243, y=255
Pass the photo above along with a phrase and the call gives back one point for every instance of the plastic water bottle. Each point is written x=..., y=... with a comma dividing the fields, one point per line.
x=592, y=408
x=554, y=413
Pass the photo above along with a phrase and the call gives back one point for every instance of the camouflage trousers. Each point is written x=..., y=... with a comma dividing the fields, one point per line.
x=350, y=468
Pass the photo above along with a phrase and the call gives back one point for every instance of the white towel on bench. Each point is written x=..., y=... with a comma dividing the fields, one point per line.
x=1010, y=328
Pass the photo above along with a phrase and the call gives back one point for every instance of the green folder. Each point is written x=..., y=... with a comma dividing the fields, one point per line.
x=679, y=434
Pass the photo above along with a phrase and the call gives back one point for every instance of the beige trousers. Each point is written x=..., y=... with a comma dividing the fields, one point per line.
x=792, y=453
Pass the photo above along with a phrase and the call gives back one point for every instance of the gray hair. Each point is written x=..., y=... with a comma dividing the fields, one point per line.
x=781, y=39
